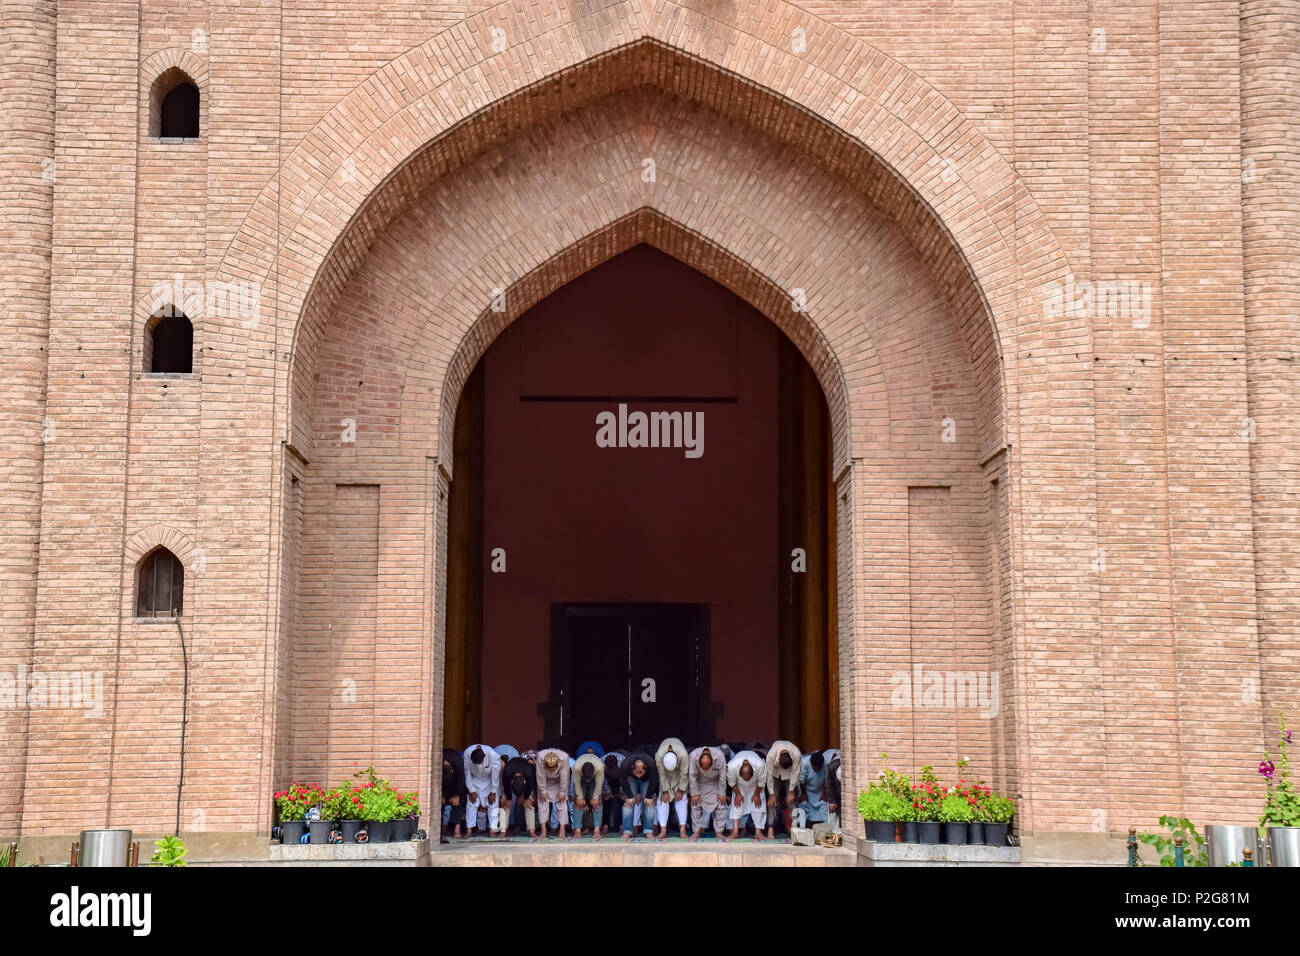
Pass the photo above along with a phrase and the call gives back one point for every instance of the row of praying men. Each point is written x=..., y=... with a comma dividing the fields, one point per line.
x=734, y=786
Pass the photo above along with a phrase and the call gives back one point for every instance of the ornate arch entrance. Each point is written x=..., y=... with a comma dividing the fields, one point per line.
x=909, y=293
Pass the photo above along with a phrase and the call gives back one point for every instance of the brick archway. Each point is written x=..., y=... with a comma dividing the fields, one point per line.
x=958, y=204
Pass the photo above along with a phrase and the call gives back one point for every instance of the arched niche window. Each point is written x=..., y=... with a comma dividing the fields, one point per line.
x=174, y=106
x=169, y=343
x=160, y=588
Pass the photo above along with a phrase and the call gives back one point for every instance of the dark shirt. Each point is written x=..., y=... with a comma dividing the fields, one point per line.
x=651, y=773
x=831, y=790
x=453, y=777
x=526, y=787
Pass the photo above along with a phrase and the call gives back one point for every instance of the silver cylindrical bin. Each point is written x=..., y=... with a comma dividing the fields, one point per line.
x=103, y=847
x=1284, y=846
x=1226, y=843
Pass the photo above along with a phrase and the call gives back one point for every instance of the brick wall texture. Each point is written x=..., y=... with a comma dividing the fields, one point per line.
x=1041, y=255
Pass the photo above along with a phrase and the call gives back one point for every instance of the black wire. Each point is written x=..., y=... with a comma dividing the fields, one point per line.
x=185, y=701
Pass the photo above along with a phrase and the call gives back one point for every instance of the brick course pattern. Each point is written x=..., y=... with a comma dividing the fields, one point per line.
x=1099, y=504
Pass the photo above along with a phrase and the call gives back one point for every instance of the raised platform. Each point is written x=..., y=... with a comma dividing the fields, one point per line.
x=615, y=852
x=935, y=854
x=410, y=853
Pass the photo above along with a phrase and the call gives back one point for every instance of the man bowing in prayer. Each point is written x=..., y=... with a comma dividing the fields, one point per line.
x=588, y=781
x=553, y=788
x=783, y=765
x=483, y=784
x=745, y=775
x=708, y=788
x=671, y=760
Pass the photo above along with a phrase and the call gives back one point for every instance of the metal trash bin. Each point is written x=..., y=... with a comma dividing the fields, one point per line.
x=104, y=848
x=1226, y=843
x=1284, y=846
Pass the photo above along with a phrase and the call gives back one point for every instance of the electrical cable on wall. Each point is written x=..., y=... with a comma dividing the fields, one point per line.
x=185, y=702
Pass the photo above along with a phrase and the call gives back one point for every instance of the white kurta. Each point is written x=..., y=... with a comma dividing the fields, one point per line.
x=482, y=781
x=748, y=788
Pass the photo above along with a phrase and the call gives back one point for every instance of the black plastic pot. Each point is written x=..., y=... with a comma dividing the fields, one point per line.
x=884, y=830
x=320, y=830
x=975, y=832
x=291, y=831
x=995, y=834
x=401, y=829
x=954, y=834
x=350, y=828
x=928, y=831
x=910, y=832
x=868, y=831
x=380, y=832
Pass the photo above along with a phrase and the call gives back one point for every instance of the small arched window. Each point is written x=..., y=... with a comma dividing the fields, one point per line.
x=174, y=106
x=169, y=344
x=160, y=591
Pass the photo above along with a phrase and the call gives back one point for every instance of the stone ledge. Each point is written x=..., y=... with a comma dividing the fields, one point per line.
x=410, y=853
x=935, y=854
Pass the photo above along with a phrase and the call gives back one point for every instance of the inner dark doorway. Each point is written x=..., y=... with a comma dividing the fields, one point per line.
x=544, y=512
x=628, y=674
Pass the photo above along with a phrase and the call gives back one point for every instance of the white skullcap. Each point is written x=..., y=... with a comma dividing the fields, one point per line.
x=670, y=761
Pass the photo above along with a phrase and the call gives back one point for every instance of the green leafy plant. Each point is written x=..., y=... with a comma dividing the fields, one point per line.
x=1282, y=804
x=293, y=803
x=1194, y=852
x=956, y=808
x=997, y=808
x=170, y=851
x=376, y=800
x=877, y=803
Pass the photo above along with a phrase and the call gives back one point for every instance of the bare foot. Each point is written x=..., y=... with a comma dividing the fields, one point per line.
x=595, y=836
x=683, y=833
x=626, y=835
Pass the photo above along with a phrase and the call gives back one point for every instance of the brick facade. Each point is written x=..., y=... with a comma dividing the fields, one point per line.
x=1098, y=504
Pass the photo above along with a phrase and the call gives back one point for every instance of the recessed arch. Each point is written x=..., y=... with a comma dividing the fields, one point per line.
x=168, y=344
x=175, y=105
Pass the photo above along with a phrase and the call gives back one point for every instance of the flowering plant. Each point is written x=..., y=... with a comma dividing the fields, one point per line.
x=408, y=804
x=927, y=794
x=293, y=803
x=1282, y=805
x=338, y=803
x=900, y=785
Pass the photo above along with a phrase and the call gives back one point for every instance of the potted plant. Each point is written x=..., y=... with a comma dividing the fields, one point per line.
x=956, y=813
x=337, y=805
x=1282, y=804
x=977, y=793
x=408, y=816
x=343, y=805
x=317, y=825
x=900, y=785
x=291, y=806
x=378, y=805
x=881, y=810
x=998, y=811
x=927, y=795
